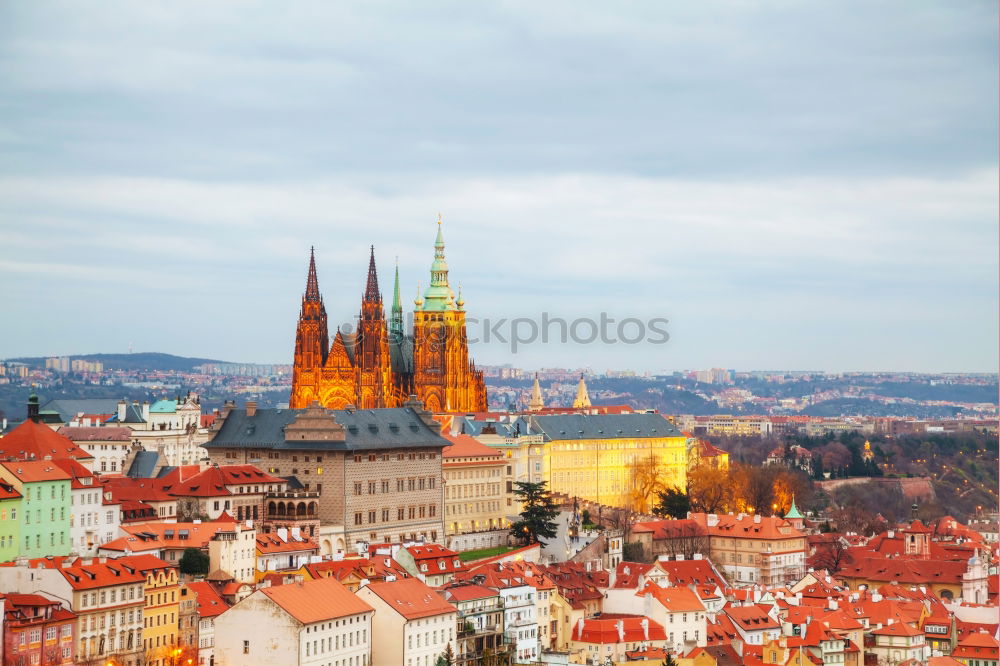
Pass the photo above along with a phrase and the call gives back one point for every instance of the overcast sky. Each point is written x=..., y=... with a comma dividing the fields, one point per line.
x=792, y=184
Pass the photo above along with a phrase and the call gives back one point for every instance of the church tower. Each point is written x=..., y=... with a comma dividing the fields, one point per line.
x=582, y=396
x=371, y=348
x=536, y=403
x=311, y=340
x=444, y=377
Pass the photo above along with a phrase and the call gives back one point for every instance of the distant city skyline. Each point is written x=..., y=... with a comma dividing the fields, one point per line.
x=806, y=188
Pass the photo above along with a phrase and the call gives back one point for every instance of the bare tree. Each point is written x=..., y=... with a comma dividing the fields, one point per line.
x=709, y=489
x=831, y=555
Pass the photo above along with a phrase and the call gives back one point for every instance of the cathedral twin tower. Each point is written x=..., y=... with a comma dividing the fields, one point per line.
x=378, y=364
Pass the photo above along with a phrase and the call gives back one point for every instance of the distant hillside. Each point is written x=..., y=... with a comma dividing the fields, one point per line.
x=138, y=361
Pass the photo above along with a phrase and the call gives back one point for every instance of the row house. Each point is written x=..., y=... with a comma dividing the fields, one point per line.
x=423, y=625
x=431, y=563
x=36, y=630
x=754, y=549
x=607, y=638
x=519, y=603
x=210, y=605
x=93, y=518
x=106, y=595
x=477, y=496
x=480, y=633
x=109, y=446
x=44, y=511
x=283, y=550
x=10, y=521
x=307, y=623
x=238, y=490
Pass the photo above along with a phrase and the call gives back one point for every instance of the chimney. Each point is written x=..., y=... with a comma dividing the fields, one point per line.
x=697, y=556
x=145, y=411
x=282, y=533
x=251, y=407
x=712, y=520
x=756, y=518
x=645, y=628
x=620, y=626
x=121, y=411
x=680, y=557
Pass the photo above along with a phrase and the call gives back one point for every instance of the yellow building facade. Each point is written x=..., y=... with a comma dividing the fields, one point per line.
x=604, y=458
x=161, y=614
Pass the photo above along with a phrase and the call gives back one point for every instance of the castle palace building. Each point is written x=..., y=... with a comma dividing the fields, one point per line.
x=380, y=365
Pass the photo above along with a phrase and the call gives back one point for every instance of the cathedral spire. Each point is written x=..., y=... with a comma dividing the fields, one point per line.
x=536, y=402
x=582, y=396
x=371, y=289
x=396, y=316
x=439, y=296
x=312, y=284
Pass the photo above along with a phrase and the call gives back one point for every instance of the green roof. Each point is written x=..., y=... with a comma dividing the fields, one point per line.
x=163, y=407
x=793, y=512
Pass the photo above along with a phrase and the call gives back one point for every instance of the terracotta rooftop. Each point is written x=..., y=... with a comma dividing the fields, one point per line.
x=411, y=598
x=464, y=446
x=32, y=440
x=34, y=471
x=316, y=600
x=210, y=603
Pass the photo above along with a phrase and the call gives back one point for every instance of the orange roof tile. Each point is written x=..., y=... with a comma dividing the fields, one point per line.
x=464, y=446
x=35, y=471
x=316, y=600
x=210, y=603
x=605, y=629
x=32, y=440
x=411, y=598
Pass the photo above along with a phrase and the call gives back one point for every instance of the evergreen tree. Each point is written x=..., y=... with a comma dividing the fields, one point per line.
x=194, y=562
x=447, y=658
x=538, y=514
x=673, y=502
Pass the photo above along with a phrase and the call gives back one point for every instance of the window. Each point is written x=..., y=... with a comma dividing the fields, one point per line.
x=357, y=518
x=357, y=487
x=371, y=516
x=246, y=647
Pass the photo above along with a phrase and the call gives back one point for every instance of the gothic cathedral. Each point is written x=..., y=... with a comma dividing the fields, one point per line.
x=379, y=365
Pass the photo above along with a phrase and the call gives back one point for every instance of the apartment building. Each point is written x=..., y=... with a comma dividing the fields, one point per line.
x=377, y=471
x=44, y=515
x=310, y=623
x=422, y=624
x=477, y=495
x=750, y=548
x=107, y=596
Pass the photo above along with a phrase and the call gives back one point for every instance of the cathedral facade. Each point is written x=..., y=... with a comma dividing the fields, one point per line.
x=379, y=364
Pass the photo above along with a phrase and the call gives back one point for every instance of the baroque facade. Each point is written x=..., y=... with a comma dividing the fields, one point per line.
x=379, y=365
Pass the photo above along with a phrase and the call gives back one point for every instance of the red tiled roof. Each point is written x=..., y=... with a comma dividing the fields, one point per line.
x=7, y=491
x=411, y=598
x=272, y=543
x=210, y=603
x=627, y=574
x=464, y=446
x=673, y=599
x=898, y=629
x=33, y=471
x=213, y=481
x=32, y=440
x=751, y=618
x=467, y=592
x=153, y=535
x=745, y=526
x=81, y=477
x=686, y=572
x=85, y=573
x=316, y=600
x=96, y=434
x=617, y=628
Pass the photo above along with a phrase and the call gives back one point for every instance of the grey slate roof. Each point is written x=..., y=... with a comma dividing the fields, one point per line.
x=68, y=408
x=602, y=426
x=366, y=429
x=143, y=465
x=474, y=428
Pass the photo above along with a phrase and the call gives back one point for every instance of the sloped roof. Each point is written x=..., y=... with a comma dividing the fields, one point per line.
x=464, y=446
x=364, y=429
x=96, y=433
x=411, y=598
x=210, y=602
x=602, y=426
x=32, y=440
x=674, y=599
x=34, y=471
x=316, y=600
x=605, y=629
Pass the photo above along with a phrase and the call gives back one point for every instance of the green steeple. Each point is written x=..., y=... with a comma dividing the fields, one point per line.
x=396, y=316
x=439, y=296
x=793, y=512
